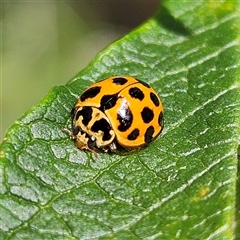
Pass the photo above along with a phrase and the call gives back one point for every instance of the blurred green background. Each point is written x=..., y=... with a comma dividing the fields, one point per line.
x=47, y=43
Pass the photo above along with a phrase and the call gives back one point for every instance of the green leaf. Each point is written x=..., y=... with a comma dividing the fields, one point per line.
x=182, y=186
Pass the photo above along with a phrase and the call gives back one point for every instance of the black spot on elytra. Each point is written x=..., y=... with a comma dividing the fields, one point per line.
x=137, y=93
x=148, y=136
x=160, y=119
x=125, y=118
x=144, y=84
x=133, y=135
x=147, y=115
x=120, y=80
x=90, y=93
x=86, y=113
x=108, y=101
x=154, y=99
x=104, y=126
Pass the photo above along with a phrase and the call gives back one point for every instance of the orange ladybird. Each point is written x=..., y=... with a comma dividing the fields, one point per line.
x=117, y=112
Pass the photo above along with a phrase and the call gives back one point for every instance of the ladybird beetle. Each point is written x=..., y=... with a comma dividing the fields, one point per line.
x=117, y=112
